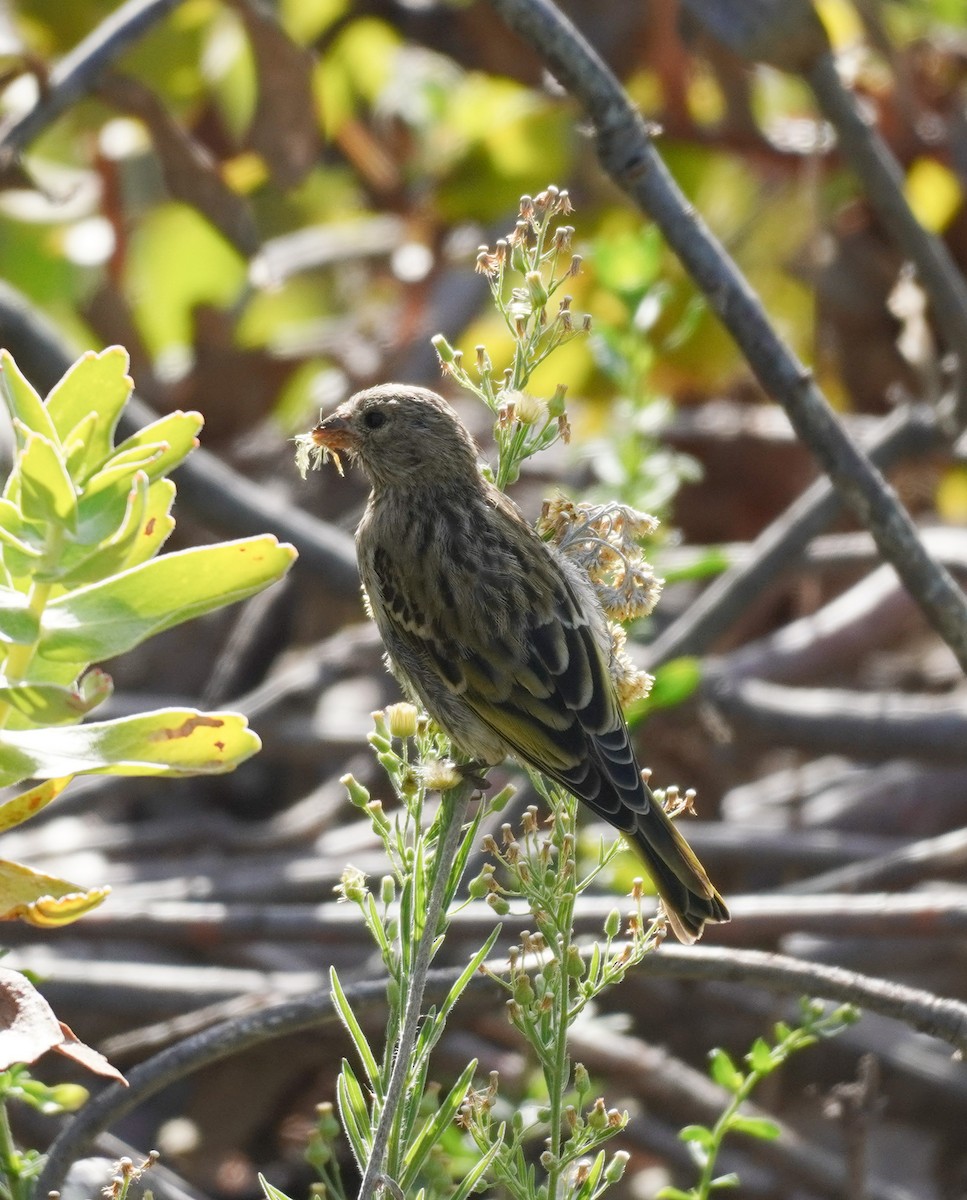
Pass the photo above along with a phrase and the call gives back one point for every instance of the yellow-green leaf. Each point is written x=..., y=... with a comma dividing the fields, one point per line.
x=180, y=741
x=107, y=618
x=96, y=383
x=43, y=900
x=23, y=403
x=22, y=807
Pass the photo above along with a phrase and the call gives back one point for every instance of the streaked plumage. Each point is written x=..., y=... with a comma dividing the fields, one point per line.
x=498, y=636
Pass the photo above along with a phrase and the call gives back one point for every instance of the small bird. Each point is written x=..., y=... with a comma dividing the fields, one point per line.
x=498, y=635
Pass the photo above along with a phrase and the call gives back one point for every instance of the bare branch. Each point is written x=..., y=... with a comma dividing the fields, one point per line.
x=627, y=154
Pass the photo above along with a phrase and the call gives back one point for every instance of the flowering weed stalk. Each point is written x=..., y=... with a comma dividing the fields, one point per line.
x=549, y=980
x=395, y=1123
x=526, y=271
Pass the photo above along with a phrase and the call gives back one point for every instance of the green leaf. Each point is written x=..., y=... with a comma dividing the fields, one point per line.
x=76, y=446
x=15, y=532
x=433, y=1130
x=270, y=1192
x=171, y=741
x=724, y=1071
x=108, y=618
x=23, y=806
x=355, y=1031
x=17, y=623
x=23, y=403
x=52, y=704
x=177, y=432
x=760, y=1057
x=699, y=1134
x=714, y=561
x=47, y=495
x=354, y=1114
x=80, y=565
x=725, y=1181
x=96, y=383
x=469, y=971
x=473, y=1177
x=757, y=1127
x=158, y=522
x=43, y=900
x=675, y=682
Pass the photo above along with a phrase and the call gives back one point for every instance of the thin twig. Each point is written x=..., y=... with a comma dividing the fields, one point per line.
x=77, y=73
x=904, y=433
x=901, y=868
x=869, y=156
x=921, y=1010
x=627, y=154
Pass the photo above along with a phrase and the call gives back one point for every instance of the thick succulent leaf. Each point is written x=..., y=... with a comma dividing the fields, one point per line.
x=97, y=383
x=111, y=617
x=176, y=741
x=80, y=564
x=23, y=403
x=22, y=807
x=47, y=495
x=43, y=900
x=16, y=533
x=17, y=623
x=176, y=431
x=53, y=704
x=158, y=523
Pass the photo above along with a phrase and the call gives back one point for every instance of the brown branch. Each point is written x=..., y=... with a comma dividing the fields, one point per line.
x=628, y=156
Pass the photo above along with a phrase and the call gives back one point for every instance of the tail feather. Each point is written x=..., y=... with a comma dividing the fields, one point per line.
x=687, y=894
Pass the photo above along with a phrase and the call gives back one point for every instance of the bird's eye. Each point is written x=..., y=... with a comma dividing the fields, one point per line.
x=374, y=418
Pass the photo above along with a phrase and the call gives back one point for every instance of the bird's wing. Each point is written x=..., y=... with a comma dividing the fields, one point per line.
x=538, y=679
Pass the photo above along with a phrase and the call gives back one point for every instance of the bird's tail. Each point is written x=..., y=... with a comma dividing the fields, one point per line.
x=687, y=894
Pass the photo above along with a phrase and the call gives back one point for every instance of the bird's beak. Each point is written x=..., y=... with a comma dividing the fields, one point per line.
x=335, y=434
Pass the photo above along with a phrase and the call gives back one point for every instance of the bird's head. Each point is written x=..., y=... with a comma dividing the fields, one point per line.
x=400, y=435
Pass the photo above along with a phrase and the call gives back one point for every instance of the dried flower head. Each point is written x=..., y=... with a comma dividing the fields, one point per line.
x=603, y=542
x=631, y=684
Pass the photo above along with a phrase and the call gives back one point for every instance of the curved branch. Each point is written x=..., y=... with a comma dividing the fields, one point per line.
x=627, y=154
x=921, y=1010
x=865, y=725
x=78, y=72
x=870, y=157
x=904, y=433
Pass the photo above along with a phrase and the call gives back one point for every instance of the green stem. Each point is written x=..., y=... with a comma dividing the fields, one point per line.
x=11, y=1166
x=19, y=657
x=558, y=1074
x=720, y=1129
x=452, y=816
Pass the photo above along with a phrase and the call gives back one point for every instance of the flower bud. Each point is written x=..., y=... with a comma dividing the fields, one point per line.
x=616, y=1167
x=401, y=719
x=598, y=1116
x=536, y=289
x=358, y=795
x=445, y=352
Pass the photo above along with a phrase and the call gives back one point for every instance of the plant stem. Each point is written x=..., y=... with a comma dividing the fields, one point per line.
x=13, y=1184
x=452, y=816
x=19, y=657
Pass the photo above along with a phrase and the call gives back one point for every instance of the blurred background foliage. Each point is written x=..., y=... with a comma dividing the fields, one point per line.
x=259, y=202
x=271, y=205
